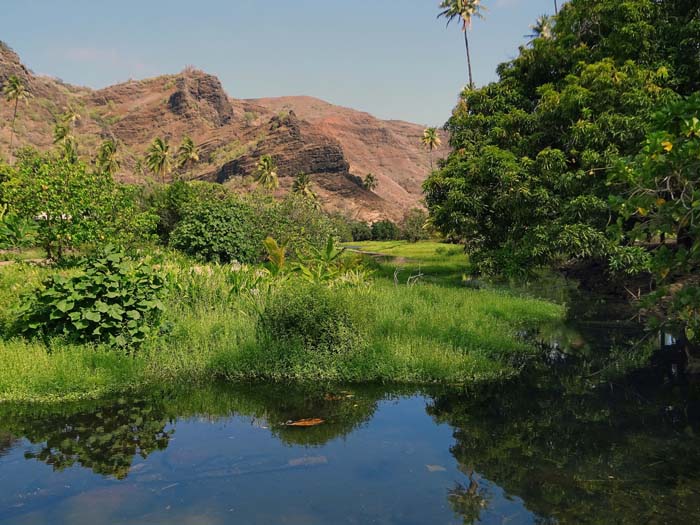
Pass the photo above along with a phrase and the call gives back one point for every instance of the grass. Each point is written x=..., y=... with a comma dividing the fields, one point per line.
x=439, y=263
x=419, y=334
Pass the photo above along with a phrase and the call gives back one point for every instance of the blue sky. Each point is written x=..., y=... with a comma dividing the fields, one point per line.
x=389, y=57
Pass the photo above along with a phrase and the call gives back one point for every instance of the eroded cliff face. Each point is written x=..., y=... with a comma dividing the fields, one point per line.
x=336, y=146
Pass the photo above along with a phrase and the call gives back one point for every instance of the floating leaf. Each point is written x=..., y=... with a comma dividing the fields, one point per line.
x=311, y=422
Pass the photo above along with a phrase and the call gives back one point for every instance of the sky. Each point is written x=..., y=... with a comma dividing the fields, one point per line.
x=392, y=58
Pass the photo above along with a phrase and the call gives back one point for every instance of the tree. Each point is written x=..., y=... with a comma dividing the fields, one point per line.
x=370, y=183
x=158, y=158
x=107, y=160
x=466, y=11
x=303, y=186
x=556, y=7
x=527, y=181
x=72, y=204
x=15, y=91
x=660, y=196
x=541, y=29
x=267, y=173
x=187, y=153
x=413, y=227
x=431, y=140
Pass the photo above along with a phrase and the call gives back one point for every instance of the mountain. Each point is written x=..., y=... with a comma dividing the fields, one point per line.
x=336, y=146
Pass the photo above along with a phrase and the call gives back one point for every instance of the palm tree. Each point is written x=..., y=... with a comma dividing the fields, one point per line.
x=556, y=7
x=541, y=29
x=267, y=173
x=431, y=140
x=187, y=153
x=466, y=11
x=303, y=186
x=106, y=160
x=158, y=158
x=14, y=91
x=370, y=182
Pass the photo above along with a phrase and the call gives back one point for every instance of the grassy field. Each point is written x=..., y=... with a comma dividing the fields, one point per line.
x=439, y=263
x=417, y=334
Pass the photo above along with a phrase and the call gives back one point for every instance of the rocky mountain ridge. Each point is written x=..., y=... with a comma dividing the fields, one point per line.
x=336, y=146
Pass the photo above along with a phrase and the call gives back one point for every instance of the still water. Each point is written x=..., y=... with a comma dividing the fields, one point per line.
x=583, y=436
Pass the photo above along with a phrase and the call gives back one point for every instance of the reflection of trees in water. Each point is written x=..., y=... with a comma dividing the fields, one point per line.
x=7, y=441
x=468, y=501
x=619, y=453
x=104, y=438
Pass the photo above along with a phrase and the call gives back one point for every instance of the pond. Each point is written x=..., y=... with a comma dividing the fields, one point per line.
x=584, y=436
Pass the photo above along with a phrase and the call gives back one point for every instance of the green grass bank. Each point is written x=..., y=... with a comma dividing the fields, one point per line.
x=423, y=333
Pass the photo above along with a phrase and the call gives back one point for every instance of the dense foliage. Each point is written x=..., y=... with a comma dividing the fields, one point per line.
x=71, y=204
x=112, y=300
x=662, y=202
x=527, y=182
x=385, y=231
x=218, y=230
x=313, y=318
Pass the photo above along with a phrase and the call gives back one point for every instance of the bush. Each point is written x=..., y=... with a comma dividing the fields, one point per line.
x=413, y=228
x=385, y=231
x=312, y=317
x=360, y=231
x=295, y=222
x=219, y=231
x=114, y=300
x=17, y=232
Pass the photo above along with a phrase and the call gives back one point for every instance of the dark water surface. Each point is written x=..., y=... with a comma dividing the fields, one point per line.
x=586, y=436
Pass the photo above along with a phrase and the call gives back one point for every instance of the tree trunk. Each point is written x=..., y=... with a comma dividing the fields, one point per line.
x=431, y=160
x=469, y=59
x=556, y=7
x=12, y=131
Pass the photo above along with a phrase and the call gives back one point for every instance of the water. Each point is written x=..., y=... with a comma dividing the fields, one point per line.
x=603, y=429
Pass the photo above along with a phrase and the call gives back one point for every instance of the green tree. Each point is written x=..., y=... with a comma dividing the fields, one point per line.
x=465, y=11
x=187, y=153
x=660, y=190
x=432, y=141
x=527, y=181
x=413, y=227
x=72, y=204
x=15, y=92
x=267, y=173
x=107, y=160
x=370, y=182
x=542, y=28
x=158, y=158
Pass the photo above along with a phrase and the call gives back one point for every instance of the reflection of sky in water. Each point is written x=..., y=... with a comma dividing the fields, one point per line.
x=396, y=468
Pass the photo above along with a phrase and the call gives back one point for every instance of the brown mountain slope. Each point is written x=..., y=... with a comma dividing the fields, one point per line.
x=336, y=146
x=389, y=149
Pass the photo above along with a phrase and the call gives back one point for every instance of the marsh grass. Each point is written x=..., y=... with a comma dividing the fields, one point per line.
x=418, y=334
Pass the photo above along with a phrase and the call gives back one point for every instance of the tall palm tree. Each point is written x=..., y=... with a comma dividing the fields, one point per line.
x=370, y=182
x=431, y=140
x=267, y=173
x=15, y=91
x=158, y=158
x=187, y=153
x=466, y=11
x=106, y=160
x=541, y=29
x=556, y=7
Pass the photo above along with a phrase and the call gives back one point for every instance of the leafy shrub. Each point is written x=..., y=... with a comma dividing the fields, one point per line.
x=413, y=227
x=295, y=222
x=219, y=231
x=360, y=231
x=385, y=231
x=17, y=232
x=113, y=300
x=313, y=317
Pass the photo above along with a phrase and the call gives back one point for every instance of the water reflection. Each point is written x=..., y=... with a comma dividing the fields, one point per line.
x=597, y=439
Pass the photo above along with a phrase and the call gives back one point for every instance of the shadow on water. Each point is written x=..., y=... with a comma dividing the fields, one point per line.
x=603, y=429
